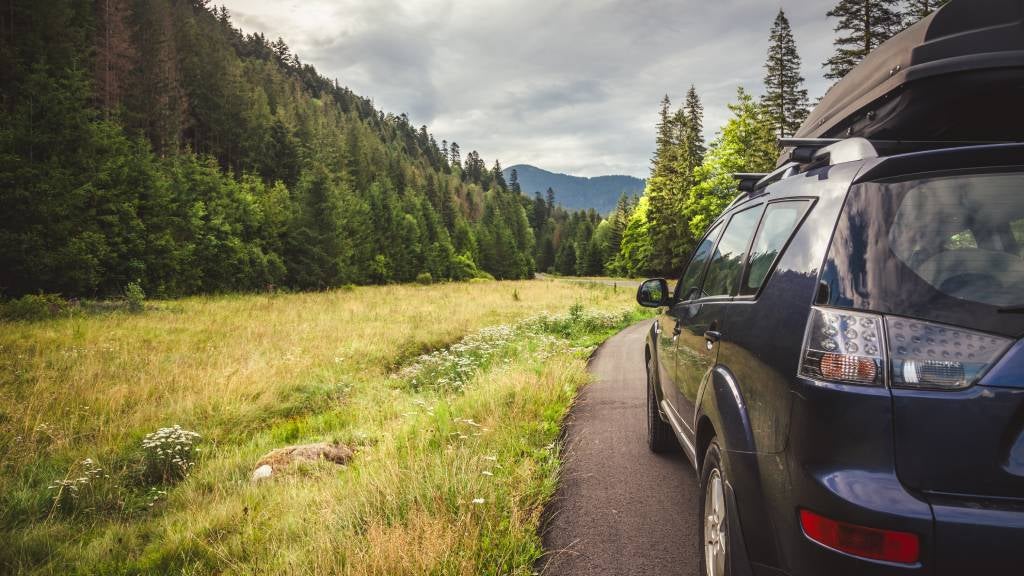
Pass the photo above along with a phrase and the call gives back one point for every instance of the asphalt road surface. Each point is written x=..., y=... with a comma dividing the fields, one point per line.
x=619, y=509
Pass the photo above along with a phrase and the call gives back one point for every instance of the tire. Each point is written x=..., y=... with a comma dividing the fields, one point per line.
x=713, y=515
x=660, y=437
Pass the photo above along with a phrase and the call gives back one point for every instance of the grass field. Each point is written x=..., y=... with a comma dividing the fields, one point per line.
x=451, y=396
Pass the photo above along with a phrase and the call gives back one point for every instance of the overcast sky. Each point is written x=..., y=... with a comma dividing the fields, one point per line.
x=567, y=85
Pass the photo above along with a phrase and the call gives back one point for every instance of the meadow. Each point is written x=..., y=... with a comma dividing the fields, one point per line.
x=450, y=395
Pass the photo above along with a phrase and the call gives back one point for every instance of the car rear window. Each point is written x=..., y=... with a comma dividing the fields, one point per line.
x=945, y=248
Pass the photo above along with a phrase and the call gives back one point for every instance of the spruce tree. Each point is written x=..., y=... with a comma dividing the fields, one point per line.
x=785, y=99
x=693, y=131
x=663, y=141
x=864, y=25
x=454, y=156
x=661, y=186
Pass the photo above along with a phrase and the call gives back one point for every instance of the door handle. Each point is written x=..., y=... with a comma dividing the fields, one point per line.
x=712, y=336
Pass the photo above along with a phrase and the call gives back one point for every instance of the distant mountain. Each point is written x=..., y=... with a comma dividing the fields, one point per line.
x=576, y=192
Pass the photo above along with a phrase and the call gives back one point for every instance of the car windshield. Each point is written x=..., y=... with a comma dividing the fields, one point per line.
x=948, y=248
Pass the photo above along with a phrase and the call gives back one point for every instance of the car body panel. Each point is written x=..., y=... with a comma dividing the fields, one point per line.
x=695, y=355
x=977, y=536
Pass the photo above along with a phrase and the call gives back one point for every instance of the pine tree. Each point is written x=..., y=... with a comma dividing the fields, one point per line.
x=680, y=150
x=454, y=156
x=497, y=176
x=785, y=99
x=693, y=131
x=866, y=24
x=916, y=10
x=664, y=139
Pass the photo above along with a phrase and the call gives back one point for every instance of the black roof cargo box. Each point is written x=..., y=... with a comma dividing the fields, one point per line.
x=958, y=75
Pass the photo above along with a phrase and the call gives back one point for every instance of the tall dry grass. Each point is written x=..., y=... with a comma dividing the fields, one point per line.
x=251, y=373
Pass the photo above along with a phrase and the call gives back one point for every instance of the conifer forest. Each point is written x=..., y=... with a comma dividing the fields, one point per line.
x=154, y=143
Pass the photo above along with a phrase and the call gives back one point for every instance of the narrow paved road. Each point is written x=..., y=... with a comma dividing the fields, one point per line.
x=619, y=509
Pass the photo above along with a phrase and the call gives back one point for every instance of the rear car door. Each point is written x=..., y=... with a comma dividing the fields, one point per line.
x=701, y=311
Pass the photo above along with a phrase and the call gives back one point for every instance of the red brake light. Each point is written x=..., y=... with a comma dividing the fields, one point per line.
x=871, y=543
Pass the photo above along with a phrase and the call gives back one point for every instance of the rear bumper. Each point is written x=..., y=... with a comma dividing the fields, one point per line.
x=978, y=537
x=866, y=498
x=839, y=463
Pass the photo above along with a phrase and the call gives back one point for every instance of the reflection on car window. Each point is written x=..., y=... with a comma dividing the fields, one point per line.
x=962, y=235
x=690, y=280
x=961, y=240
x=727, y=263
x=780, y=220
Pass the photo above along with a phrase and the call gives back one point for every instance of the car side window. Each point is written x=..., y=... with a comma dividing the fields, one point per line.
x=689, y=282
x=726, y=265
x=780, y=221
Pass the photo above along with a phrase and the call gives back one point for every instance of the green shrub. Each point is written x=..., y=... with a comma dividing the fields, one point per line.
x=424, y=278
x=462, y=267
x=35, y=307
x=134, y=297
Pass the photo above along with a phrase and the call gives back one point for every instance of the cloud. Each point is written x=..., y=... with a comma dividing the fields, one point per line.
x=568, y=85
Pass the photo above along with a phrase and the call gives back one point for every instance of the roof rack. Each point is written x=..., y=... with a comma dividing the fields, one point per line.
x=807, y=153
x=748, y=180
x=835, y=151
x=828, y=150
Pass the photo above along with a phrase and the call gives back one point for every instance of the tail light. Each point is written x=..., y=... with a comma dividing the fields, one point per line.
x=851, y=348
x=845, y=347
x=871, y=543
x=927, y=355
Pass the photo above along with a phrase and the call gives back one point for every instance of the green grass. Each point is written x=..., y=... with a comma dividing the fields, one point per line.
x=452, y=396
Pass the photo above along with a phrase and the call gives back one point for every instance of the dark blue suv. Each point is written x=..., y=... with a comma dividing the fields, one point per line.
x=841, y=359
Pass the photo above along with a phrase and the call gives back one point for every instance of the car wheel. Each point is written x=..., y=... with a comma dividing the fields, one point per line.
x=660, y=437
x=714, y=516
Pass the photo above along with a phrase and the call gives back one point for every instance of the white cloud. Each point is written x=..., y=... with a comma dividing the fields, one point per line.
x=568, y=85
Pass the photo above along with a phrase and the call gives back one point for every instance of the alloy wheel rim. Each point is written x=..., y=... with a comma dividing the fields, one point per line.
x=715, y=541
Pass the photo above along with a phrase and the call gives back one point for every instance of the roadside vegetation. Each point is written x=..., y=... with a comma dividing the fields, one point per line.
x=127, y=440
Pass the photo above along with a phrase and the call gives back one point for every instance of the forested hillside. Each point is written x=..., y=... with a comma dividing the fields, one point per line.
x=152, y=141
x=577, y=192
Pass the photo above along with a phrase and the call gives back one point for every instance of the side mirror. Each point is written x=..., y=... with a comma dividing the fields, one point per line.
x=653, y=293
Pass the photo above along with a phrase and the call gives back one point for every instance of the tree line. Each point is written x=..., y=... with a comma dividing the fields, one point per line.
x=691, y=182
x=152, y=142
